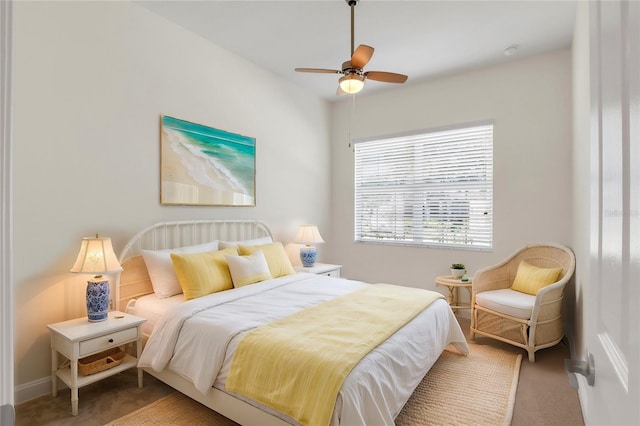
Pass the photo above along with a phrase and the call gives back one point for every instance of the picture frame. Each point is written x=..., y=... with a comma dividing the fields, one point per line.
x=205, y=166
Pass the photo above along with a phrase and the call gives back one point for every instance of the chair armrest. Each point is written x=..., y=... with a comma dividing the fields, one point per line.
x=548, y=302
x=551, y=291
x=491, y=278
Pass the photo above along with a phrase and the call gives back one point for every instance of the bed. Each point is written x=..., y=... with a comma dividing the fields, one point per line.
x=373, y=392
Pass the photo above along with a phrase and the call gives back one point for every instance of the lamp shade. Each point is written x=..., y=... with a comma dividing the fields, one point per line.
x=309, y=234
x=351, y=83
x=96, y=256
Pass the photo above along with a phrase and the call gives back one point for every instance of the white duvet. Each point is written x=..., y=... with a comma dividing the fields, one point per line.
x=197, y=340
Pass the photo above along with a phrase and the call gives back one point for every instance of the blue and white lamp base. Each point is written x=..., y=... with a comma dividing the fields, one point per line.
x=97, y=299
x=308, y=256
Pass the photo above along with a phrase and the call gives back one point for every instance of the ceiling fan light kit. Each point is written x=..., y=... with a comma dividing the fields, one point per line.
x=351, y=83
x=352, y=70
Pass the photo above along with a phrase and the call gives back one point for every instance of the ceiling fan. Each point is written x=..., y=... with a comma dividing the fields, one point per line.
x=354, y=75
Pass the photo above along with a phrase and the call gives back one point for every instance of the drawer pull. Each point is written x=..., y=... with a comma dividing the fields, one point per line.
x=110, y=340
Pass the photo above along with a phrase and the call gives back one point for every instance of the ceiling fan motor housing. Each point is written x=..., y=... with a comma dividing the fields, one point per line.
x=348, y=69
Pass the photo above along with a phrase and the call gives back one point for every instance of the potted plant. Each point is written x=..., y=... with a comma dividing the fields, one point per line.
x=458, y=270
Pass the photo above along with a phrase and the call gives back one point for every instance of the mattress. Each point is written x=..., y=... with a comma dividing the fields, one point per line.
x=197, y=339
x=152, y=308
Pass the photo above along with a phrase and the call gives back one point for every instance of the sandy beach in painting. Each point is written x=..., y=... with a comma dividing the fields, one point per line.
x=189, y=176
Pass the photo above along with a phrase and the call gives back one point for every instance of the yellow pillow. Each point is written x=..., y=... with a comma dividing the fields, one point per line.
x=277, y=259
x=200, y=274
x=530, y=279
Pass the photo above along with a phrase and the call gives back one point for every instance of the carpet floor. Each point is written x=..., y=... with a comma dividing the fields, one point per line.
x=543, y=397
x=458, y=390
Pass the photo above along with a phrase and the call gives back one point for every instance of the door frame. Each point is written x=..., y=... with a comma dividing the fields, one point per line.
x=7, y=400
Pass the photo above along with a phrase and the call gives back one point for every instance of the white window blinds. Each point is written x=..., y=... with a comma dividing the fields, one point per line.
x=431, y=189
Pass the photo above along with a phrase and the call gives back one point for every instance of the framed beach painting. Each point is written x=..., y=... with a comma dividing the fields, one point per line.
x=204, y=166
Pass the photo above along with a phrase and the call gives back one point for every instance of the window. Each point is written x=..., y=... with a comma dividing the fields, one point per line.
x=434, y=188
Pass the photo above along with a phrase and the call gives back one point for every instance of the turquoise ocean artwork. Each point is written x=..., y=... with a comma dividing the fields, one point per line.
x=201, y=165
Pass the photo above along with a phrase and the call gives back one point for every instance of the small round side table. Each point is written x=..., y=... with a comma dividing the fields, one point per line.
x=453, y=284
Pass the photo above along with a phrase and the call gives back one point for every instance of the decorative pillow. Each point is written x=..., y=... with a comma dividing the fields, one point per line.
x=277, y=259
x=530, y=279
x=248, y=269
x=253, y=242
x=163, y=276
x=200, y=274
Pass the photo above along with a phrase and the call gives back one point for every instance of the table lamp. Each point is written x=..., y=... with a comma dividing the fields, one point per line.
x=308, y=235
x=96, y=257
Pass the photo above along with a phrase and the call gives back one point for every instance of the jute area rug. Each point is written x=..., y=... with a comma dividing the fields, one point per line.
x=478, y=389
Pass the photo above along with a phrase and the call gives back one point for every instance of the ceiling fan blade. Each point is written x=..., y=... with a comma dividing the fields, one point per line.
x=318, y=70
x=387, y=77
x=340, y=92
x=361, y=56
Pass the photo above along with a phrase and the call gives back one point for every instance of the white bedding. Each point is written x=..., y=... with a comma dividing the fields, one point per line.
x=151, y=307
x=196, y=340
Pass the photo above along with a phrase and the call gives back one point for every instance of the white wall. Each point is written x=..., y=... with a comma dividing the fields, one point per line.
x=91, y=81
x=530, y=103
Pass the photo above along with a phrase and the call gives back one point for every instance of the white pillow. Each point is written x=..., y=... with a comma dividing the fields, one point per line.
x=248, y=269
x=160, y=267
x=254, y=242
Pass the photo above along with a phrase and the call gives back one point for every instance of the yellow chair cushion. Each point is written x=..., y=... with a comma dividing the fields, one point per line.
x=277, y=259
x=200, y=274
x=530, y=279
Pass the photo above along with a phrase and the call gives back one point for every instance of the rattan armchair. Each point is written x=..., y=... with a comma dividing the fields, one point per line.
x=527, y=321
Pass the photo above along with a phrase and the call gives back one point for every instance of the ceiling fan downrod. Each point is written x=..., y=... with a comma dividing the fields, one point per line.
x=352, y=4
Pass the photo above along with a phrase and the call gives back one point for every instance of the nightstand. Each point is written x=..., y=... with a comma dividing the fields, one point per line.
x=79, y=338
x=321, y=269
x=453, y=284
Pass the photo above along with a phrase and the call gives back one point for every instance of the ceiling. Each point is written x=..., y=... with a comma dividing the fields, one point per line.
x=422, y=39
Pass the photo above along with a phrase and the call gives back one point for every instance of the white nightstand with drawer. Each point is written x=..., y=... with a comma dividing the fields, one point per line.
x=321, y=269
x=79, y=338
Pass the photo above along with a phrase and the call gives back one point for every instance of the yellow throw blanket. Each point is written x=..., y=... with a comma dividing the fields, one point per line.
x=297, y=365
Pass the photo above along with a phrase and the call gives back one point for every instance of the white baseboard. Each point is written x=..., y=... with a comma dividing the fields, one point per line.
x=35, y=389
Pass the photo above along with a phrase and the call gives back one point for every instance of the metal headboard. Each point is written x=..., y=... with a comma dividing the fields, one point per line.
x=166, y=235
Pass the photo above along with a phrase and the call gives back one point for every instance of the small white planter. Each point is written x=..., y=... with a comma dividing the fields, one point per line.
x=458, y=273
